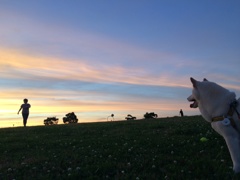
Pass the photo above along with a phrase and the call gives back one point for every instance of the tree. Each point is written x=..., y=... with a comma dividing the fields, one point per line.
x=150, y=115
x=70, y=118
x=50, y=121
x=112, y=115
x=130, y=117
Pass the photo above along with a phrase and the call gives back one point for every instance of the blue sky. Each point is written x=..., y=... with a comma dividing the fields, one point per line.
x=123, y=57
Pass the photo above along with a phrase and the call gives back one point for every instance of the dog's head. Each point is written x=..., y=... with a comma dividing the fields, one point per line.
x=211, y=98
x=195, y=97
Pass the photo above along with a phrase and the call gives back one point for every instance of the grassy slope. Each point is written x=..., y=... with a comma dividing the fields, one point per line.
x=146, y=149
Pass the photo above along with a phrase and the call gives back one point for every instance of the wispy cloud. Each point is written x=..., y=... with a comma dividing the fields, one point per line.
x=83, y=55
x=21, y=66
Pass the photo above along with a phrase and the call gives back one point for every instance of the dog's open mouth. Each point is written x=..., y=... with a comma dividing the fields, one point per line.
x=194, y=104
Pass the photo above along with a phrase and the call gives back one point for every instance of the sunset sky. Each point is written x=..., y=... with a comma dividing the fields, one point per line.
x=98, y=58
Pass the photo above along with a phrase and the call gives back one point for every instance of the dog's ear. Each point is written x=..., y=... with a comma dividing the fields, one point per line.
x=194, y=82
x=205, y=79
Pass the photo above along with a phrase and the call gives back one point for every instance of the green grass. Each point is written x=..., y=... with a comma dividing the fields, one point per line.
x=168, y=148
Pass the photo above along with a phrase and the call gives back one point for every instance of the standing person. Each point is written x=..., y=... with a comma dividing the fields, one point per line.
x=181, y=112
x=25, y=111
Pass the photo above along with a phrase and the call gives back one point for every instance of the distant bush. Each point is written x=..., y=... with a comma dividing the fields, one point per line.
x=70, y=118
x=50, y=121
x=130, y=117
x=150, y=115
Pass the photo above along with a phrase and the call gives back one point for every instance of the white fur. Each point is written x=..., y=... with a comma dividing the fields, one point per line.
x=213, y=101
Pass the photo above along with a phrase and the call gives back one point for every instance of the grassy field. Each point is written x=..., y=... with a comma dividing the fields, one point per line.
x=167, y=148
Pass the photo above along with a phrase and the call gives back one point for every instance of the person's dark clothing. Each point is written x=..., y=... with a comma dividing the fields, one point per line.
x=25, y=117
x=181, y=112
x=25, y=112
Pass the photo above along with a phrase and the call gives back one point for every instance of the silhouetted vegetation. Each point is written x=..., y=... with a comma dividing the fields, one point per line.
x=112, y=115
x=70, y=118
x=130, y=117
x=50, y=121
x=150, y=115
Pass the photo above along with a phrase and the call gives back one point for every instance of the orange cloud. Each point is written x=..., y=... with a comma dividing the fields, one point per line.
x=18, y=65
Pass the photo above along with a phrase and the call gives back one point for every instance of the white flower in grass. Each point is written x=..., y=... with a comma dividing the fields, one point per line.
x=69, y=169
x=122, y=172
x=78, y=168
x=175, y=162
x=137, y=178
x=222, y=160
x=9, y=169
x=172, y=152
x=153, y=166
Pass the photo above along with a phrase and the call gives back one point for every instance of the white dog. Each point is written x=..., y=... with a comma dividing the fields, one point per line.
x=219, y=107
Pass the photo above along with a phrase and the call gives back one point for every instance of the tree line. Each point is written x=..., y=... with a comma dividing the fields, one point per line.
x=72, y=118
